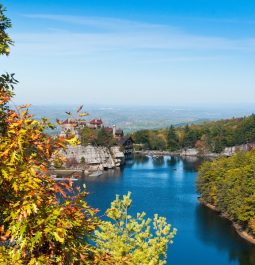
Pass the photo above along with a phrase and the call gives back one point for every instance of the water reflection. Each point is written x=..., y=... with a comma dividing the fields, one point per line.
x=167, y=185
x=172, y=161
x=192, y=164
x=109, y=175
x=158, y=161
x=141, y=159
x=218, y=232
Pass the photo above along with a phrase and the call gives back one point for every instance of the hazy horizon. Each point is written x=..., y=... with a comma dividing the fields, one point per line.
x=203, y=106
x=131, y=118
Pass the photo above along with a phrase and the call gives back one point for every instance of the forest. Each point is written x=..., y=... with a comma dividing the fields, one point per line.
x=211, y=136
x=229, y=185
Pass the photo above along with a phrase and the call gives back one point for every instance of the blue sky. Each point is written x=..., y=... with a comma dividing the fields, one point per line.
x=133, y=52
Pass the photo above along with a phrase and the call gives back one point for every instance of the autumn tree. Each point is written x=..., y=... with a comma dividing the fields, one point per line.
x=47, y=223
x=229, y=184
x=35, y=228
x=132, y=240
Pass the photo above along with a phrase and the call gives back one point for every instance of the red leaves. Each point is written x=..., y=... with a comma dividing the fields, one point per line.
x=79, y=109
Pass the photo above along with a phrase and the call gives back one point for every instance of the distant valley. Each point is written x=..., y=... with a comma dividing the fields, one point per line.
x=135, y=118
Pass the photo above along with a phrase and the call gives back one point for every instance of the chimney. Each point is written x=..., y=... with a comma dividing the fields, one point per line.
x=114, y=130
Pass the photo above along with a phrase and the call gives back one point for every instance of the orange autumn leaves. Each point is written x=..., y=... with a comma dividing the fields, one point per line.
x=36, y=224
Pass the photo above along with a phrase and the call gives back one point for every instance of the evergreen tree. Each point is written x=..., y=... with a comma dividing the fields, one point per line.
x=172, y=139
x=190, y=137
x=104, y=138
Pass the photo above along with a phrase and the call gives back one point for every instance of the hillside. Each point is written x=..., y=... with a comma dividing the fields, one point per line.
x=211, y=136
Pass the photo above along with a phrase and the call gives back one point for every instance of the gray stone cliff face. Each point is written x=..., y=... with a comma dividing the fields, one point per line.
x=229, y=151
x=94, y=158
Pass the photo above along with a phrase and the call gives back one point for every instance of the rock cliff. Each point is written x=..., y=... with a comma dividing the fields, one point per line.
x=92, y=158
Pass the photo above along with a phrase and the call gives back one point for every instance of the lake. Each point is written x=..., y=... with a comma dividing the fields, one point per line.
x=167, y=186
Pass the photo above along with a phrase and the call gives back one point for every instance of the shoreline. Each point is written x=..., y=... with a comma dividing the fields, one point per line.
x=238, y=228
x=177, y=153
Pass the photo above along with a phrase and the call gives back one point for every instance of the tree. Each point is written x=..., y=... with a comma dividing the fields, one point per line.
x=229, y=184
x=6, y=81
x=41, y=221
x=36, y=227
x=190, y=137
x=156, y=142
x=129, y=240
x=88, y=136
x=172, y=140
x=104, y=138
x=142, y=137
x=5, y=40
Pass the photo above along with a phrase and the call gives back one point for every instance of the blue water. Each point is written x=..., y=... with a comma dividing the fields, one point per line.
x=167, y=186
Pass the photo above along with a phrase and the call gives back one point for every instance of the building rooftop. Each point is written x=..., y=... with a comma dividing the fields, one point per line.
x=96, y=122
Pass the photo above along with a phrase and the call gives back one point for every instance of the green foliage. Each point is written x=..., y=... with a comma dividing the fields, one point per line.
x=156, y=142
x=133, y=240
x=88, y=136
x=97, y=136
x=5, y=40
x=229, y=184
x=207, y=137
x=104, y=138
x=172, y=139
x=142, y=137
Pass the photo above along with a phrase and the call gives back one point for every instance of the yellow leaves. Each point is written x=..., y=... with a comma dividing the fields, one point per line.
x=58, y=238
x=24, y=106
x=15, y=186
x=83, y=114
x=73, y=141
x=252, y=225
x=4, y=173
x=129, y=240
x=33, y=215
x=14, y=156
x=35, y=209
x=32, y=261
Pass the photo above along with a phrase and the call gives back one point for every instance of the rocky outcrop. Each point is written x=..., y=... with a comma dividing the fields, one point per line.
x=229, y=151
x=93, y=158
x=189, y=152
x=117, y=155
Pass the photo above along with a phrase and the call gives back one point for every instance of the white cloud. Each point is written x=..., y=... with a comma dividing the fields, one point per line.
x=117, y=35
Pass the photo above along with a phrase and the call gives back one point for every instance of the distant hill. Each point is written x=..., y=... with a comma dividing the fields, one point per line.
x=135, y=118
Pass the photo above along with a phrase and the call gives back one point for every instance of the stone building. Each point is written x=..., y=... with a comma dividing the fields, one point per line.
x=72, y=126
x=96, y=124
